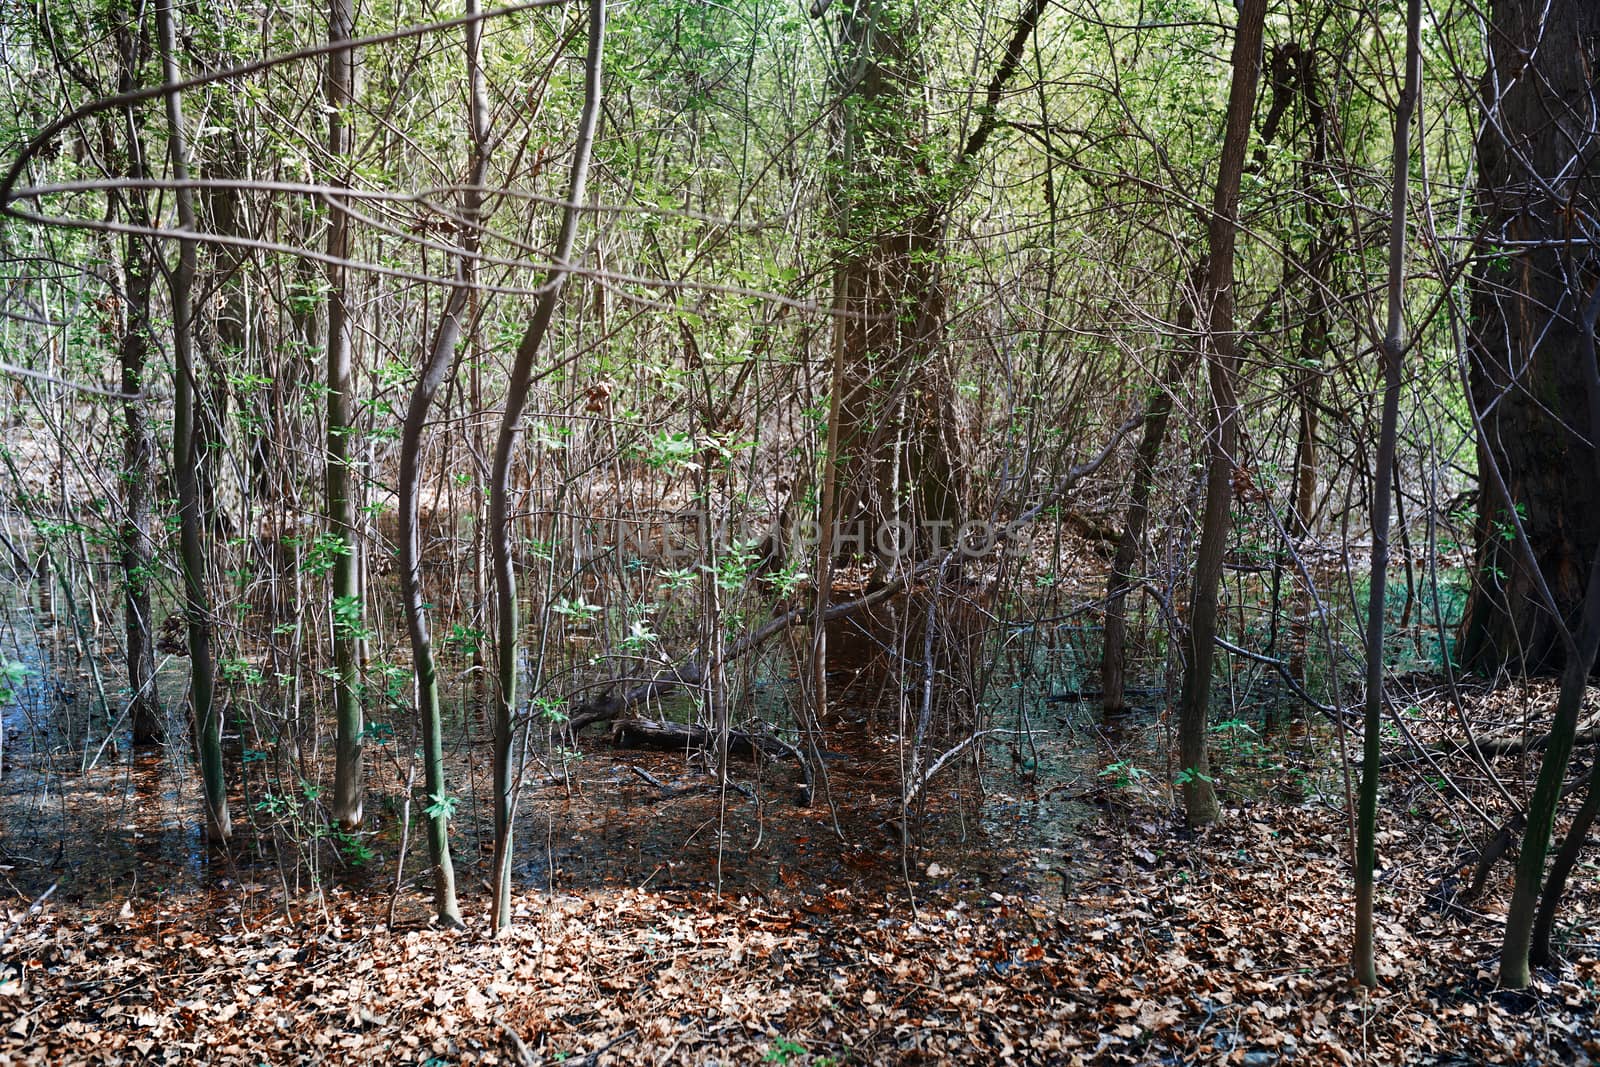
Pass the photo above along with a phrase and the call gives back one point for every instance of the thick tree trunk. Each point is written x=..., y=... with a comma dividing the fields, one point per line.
x=896, y=462
x=1194, y=774
x=1538, y=191
x=901, y=488
x=1578, y=655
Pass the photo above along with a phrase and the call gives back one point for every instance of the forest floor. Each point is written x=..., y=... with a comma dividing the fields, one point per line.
x=1133, y=942
x=1051, y=909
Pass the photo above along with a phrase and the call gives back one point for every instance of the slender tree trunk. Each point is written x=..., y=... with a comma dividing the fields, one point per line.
x=1540, y=952
x=138, y=442
x=1313, y=349
x=348, y=607
x=1515, y=952
x=1313, y=344
x=506, y=622
x=1392, y=350
x=436, y=364
x=185, y=463
x=1113, y=653
x=138, y=453
x=1199, y=794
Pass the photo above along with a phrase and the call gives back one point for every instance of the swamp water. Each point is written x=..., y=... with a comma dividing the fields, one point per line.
x=1027, y=810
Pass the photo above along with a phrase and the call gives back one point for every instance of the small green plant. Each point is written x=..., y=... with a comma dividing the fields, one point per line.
x=394, y=681
x=677, y=578
x=12, y=677
x=465, y=639
x=324, y=550
x=274, y=805
x=377, y=732
x=1123, y=773
x=734, y=567
x=441, y=806
x=1239, y=740
x=549, y=710
x=640, y=637
x=790, y=580
x=349, y=618
x=783, y=1050
x=241, y=672
x=354, y=849
x=578, y=612
x=671, y=449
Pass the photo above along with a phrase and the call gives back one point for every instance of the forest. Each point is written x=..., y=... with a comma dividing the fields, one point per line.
x=799, y=532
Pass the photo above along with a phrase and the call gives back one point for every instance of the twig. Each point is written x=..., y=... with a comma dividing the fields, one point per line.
x=32, y=908
x=405, y=842
x=652, y=779
x=524, y=1053
x=916, y=787
x=24, y=372
x=594, y=1057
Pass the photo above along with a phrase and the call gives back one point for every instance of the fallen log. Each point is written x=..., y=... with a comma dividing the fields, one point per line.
x=1511, y=740
x=679, y=737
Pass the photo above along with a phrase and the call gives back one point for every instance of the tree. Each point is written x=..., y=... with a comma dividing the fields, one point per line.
x=506, y=619
x=436, y=365
x=1222, y=430
x=1535, y=393
x=1538, y=192
x=1391, y=351
x=348, y=603
x=193, y=551
x=133, y=353
x=891, y=473
x=896, y=459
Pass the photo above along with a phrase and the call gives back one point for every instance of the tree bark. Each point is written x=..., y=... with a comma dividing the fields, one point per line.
x=506, y=622
x=1578, y=660
x=1540, y=951
x=348, y=605
x=435, y=366
x=138, y=441
x=896, y=460
x=1391, y=352
x=185, y=463
x=1538, y=191
x=1199, y=794
x=900, y=478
